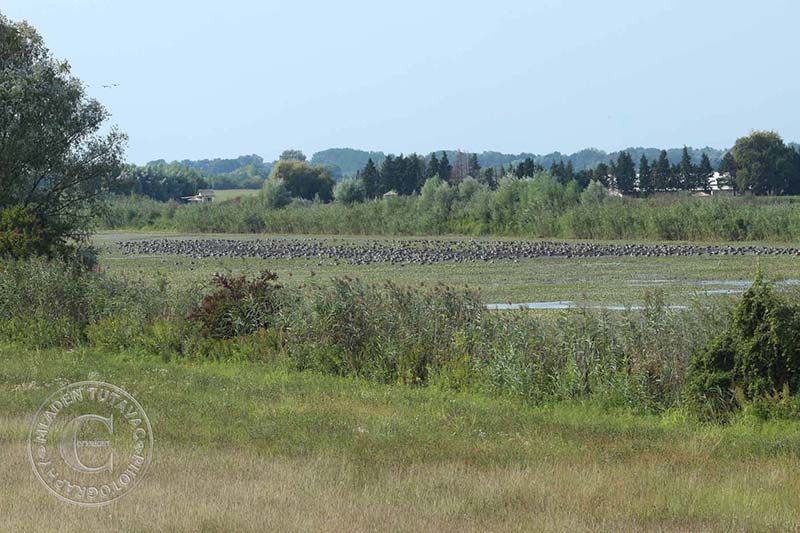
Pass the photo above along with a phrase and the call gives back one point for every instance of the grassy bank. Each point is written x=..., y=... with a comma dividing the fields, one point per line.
x=258, y=446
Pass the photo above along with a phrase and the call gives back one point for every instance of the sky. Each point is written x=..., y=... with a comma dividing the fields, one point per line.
x=198, y=79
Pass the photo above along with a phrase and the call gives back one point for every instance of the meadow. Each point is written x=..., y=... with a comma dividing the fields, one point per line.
x=495, y=420
x=259, y=446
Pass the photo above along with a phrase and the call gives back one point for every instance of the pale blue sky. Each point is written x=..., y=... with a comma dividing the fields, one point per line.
x=218, y=79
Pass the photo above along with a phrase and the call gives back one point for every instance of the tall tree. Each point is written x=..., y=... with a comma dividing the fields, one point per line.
x=292, y=155
x=686, y=172
x=54, y=161
x=473, y=167
x=727, y=171
x=445, y=168
x=625, y=173
x=303, y=180
x=433, y=167
x=645, y=176
x=763, y=164
x=370, y=177
x=704, y=173
x=663, y=174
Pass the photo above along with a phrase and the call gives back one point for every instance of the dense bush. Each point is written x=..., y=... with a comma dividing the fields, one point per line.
x=238, y=306
x=756, y=358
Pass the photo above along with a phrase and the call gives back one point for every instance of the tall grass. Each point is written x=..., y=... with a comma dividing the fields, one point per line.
x=534, y=208
x=387, y=333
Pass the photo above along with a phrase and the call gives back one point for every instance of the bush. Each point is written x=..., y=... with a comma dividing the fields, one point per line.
x=758, y=357
x=239, y=306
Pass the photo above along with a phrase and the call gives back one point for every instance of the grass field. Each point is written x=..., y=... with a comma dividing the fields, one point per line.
x=259, y=447
x=606, y=281
x=220, y=195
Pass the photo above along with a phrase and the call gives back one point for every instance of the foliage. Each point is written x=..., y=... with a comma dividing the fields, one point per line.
x=303, y=180
x=239, y=306
x=765, y=165
x=757, y=357
x=54, y=163
x=349, y=191
x=275, y=194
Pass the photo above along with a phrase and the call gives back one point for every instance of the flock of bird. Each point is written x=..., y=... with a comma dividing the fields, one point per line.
x=425, y=252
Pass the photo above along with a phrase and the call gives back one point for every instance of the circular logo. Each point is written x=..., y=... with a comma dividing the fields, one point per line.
x=90, y=443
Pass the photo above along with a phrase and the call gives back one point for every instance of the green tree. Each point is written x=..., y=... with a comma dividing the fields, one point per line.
x=370, y=178
x=645, y=176
x=473, y=167
x=704, y=173
x=292, y=155
x=763, y=164
x=433, y=167
x=663, y=176
x=687, y=176
x=303, y=180
x=625, y=173
x=445, y=168
x=349, y=191
x=54, y=162
x=727, y=171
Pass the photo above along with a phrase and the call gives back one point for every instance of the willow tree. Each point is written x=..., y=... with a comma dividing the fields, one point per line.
x=55, y=162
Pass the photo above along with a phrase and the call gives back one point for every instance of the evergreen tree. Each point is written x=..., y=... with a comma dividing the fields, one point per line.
x=445, y=168
x=625, y=173
x=687, y=172
x=370, y=177
x=602, y=173
x=704, y=173
x=433, y=167
x=489, y=179
x=645, y=176
x=727, y=170
x=473, y=167
x=663, y=172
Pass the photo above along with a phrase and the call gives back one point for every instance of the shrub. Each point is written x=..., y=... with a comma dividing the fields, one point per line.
x=239, y=306
x=756, y=358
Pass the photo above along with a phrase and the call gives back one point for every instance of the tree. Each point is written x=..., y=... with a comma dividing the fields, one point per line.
x=687, y=179
x=727, y=171
x=370, y=177
x=54, y=162
x=292, y=155
x=445, y=168
x=349, y=191
x=764, y=164
x=704, y=173
x=645, y=176
x=602, y=174
x=433, y=167
x=473, y=167
x=663, y=176
x=303, y=180
x=625, y=173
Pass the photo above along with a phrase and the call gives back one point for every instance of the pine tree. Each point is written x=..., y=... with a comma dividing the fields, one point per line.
x=663, y=172
x=370, y=178
x=727, y=170
x=704, y=173
x=445, y=168
x=473, y=167
x=625, y=173
x=645, y=176
x=686, y=172
x=433, y=167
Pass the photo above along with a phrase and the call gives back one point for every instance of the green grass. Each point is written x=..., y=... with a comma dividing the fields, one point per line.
x=610, y=281
x=252, y=447
x=220, y=195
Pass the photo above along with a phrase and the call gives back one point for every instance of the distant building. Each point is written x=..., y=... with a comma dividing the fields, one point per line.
x=203, y=195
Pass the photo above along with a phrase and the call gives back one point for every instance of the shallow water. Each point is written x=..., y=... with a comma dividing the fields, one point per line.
x=565, y=304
